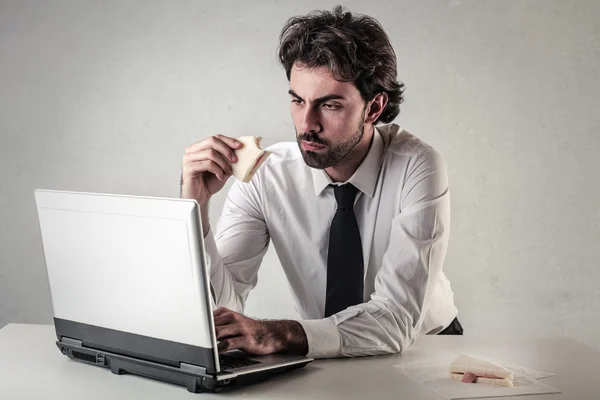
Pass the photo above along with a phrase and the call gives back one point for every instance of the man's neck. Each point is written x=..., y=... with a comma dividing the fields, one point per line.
x=343, y=170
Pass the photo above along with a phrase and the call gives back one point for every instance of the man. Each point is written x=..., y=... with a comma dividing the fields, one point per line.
x=358, y=214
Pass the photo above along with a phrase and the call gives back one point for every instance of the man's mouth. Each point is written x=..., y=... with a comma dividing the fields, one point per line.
x=312, y=146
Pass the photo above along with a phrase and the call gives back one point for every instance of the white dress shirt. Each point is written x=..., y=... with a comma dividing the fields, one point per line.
x=403, y=213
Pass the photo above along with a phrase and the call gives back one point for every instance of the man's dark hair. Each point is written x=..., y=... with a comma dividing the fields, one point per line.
x=355, y=48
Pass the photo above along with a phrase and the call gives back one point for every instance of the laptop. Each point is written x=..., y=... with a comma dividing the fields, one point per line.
x=130, y=290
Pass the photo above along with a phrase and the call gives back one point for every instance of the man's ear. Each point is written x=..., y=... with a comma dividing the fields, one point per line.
x=376, y=107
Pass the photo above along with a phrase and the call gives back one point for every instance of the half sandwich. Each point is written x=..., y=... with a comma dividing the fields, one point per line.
x=250, y=158
x=470, y=369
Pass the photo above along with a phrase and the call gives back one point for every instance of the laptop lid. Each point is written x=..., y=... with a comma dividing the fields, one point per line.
x=127, y=274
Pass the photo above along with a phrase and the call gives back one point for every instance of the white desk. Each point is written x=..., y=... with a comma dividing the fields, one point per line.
x=31, y=367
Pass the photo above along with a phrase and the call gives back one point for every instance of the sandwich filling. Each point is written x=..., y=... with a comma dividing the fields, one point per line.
x=469, y=369
x=468, y=377
x=258, y=163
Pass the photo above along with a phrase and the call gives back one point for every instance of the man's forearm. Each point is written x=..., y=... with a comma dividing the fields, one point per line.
x=205, y=220
x=287, y=336
x=236, y=331
x=203, y=210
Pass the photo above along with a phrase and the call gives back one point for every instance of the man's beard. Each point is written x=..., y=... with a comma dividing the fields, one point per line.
x=332, y=155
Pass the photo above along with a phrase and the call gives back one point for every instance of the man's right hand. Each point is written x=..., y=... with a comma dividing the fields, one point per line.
x=206, y=167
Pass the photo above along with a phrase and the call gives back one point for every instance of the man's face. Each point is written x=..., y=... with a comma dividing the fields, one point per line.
x=328, y=115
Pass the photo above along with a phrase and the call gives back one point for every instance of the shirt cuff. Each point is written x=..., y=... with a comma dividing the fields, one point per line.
x=323, y=338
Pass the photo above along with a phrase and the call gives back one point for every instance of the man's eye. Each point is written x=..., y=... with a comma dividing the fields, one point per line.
x=330, y=106
x=296, y=101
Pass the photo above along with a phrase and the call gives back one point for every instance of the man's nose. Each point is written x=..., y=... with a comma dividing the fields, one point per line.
x=309, y=121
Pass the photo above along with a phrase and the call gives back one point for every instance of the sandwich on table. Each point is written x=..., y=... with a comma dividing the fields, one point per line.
x=470, y=369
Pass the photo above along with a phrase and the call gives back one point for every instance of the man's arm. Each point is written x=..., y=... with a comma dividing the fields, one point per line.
x=392, y=319
x=203, y=211
x=234, y=258
x=235, y=254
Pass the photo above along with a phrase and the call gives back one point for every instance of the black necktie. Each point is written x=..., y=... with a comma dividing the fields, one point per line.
x=345, y=279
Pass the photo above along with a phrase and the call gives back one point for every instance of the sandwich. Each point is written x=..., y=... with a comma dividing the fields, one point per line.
x=250, y=158
x=470, y=369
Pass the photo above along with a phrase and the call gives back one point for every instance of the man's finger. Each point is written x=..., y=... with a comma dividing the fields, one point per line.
x=227, y=331
x=208, y=154
x=193, y=168
x=231, y=142
x=237, y=342
x=224, y=319
x=221, y=311
x=217, y=144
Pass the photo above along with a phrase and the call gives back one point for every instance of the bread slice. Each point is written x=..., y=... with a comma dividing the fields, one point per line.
x=250, y=158
x=487, y=381
x=485, y=371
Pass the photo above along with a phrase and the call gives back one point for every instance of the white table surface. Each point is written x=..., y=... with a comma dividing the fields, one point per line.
x=31, y=367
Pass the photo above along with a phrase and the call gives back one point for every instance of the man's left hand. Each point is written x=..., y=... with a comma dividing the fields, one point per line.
x=236, y=331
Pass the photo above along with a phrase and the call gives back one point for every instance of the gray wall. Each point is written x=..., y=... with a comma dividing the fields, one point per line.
x=105, y=96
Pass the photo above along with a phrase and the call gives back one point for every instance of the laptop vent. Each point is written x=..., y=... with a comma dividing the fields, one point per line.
x=83, y=356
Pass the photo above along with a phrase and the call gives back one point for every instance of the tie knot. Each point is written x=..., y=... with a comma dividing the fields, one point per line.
x=345, y=196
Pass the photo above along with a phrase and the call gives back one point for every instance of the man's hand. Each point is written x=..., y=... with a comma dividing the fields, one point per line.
x=236, y=331
x=205, y=169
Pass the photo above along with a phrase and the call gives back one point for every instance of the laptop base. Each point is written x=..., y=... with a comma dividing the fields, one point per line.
x=195, y=382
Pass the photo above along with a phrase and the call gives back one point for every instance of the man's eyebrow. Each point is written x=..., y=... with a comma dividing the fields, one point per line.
x=320, y=99
x=295, y=94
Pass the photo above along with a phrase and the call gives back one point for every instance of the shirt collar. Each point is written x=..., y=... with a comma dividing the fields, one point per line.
x=365, y=177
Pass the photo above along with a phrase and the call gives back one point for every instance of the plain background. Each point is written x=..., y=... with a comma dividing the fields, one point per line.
x=105, y=96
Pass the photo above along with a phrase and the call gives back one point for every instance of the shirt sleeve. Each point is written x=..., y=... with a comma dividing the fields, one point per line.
x=235, y=253
x=391, y=320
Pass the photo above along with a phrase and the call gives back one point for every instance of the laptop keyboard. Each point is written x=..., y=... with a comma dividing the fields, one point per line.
x=230, y=362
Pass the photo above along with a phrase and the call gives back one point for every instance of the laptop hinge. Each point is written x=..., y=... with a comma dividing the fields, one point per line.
x=193, y=369
x=71, y=342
